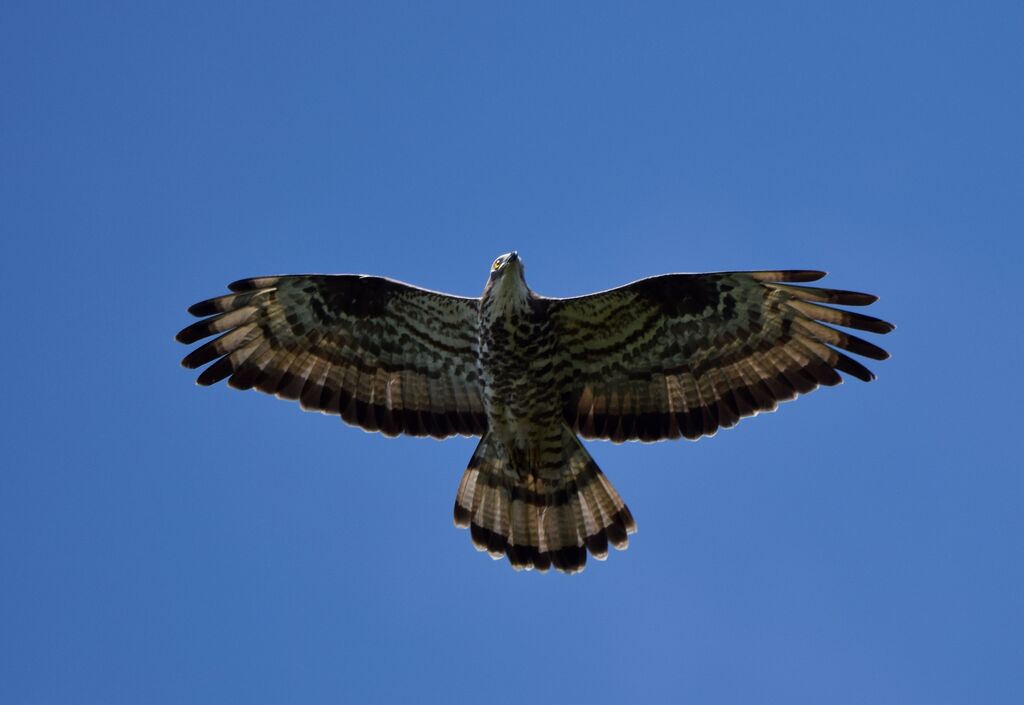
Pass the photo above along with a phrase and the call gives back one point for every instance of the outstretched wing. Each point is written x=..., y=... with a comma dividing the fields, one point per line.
x=684, y=354
x=383, y=355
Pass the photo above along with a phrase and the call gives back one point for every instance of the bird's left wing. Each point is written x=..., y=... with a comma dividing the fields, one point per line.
x=384, y=355
x=684, y=354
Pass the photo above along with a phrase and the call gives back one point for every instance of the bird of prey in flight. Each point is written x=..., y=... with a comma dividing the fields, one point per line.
x=670, y=356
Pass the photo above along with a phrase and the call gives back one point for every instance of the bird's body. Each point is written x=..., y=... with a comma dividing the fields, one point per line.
x=543, y=501
x=516, y=349
x=519, y=382
x=666, y=357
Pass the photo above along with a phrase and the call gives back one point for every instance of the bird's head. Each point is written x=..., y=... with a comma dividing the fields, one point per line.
x=507, y=282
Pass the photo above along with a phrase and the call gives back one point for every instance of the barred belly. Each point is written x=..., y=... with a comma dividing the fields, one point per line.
x=521, y=399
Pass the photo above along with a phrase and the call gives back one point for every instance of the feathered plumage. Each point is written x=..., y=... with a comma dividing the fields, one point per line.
x=677, y=355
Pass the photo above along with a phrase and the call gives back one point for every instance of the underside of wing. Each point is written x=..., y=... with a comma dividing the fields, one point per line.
x=682, y=355
x=383, y=355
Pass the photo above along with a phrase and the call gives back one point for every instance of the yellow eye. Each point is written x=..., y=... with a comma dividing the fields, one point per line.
x=497, y=263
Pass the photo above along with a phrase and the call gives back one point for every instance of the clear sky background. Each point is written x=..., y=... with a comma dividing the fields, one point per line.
x=162, y=543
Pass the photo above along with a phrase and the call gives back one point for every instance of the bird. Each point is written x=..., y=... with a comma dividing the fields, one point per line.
x=666, y=357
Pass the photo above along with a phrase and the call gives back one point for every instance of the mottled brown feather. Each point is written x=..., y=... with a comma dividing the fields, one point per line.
x=381, y=354
x=687, y=354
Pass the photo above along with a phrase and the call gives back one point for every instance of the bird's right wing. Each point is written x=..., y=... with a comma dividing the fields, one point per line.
x=685, y=354
x=384, y=355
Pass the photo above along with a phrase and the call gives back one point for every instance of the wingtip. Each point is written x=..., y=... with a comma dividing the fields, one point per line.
x=857, y=298
x=187, y=335
x=808, y=275
x=202, y=308
x=787, y=275
x=253, y=283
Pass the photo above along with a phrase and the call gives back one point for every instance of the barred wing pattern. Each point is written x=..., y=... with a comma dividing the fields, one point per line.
x=384, y=355
x=686, y=354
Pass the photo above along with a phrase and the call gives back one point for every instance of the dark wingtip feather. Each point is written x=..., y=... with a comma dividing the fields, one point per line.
x=244, y=378
x=829, y=296
x=802, y=275
x=824, y=375
x=852, y=367
x=194, y=332
x=860, y=346
x=851, y=298
x=241, y=285
x=200, y=356
x=207, y=307
x=786, y=275
x=842, y=317
x=868, y=323
x=215, y=372
x=253, y=283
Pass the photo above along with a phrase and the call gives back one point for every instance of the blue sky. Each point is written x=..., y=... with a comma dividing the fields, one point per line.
x=162, y=543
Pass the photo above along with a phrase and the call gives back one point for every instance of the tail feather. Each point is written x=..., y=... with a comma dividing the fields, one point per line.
x=539, y=519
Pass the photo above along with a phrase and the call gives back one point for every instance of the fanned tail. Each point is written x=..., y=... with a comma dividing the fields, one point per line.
x=539, y=518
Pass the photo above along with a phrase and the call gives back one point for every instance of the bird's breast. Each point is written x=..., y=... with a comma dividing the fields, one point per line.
x=520, y=395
